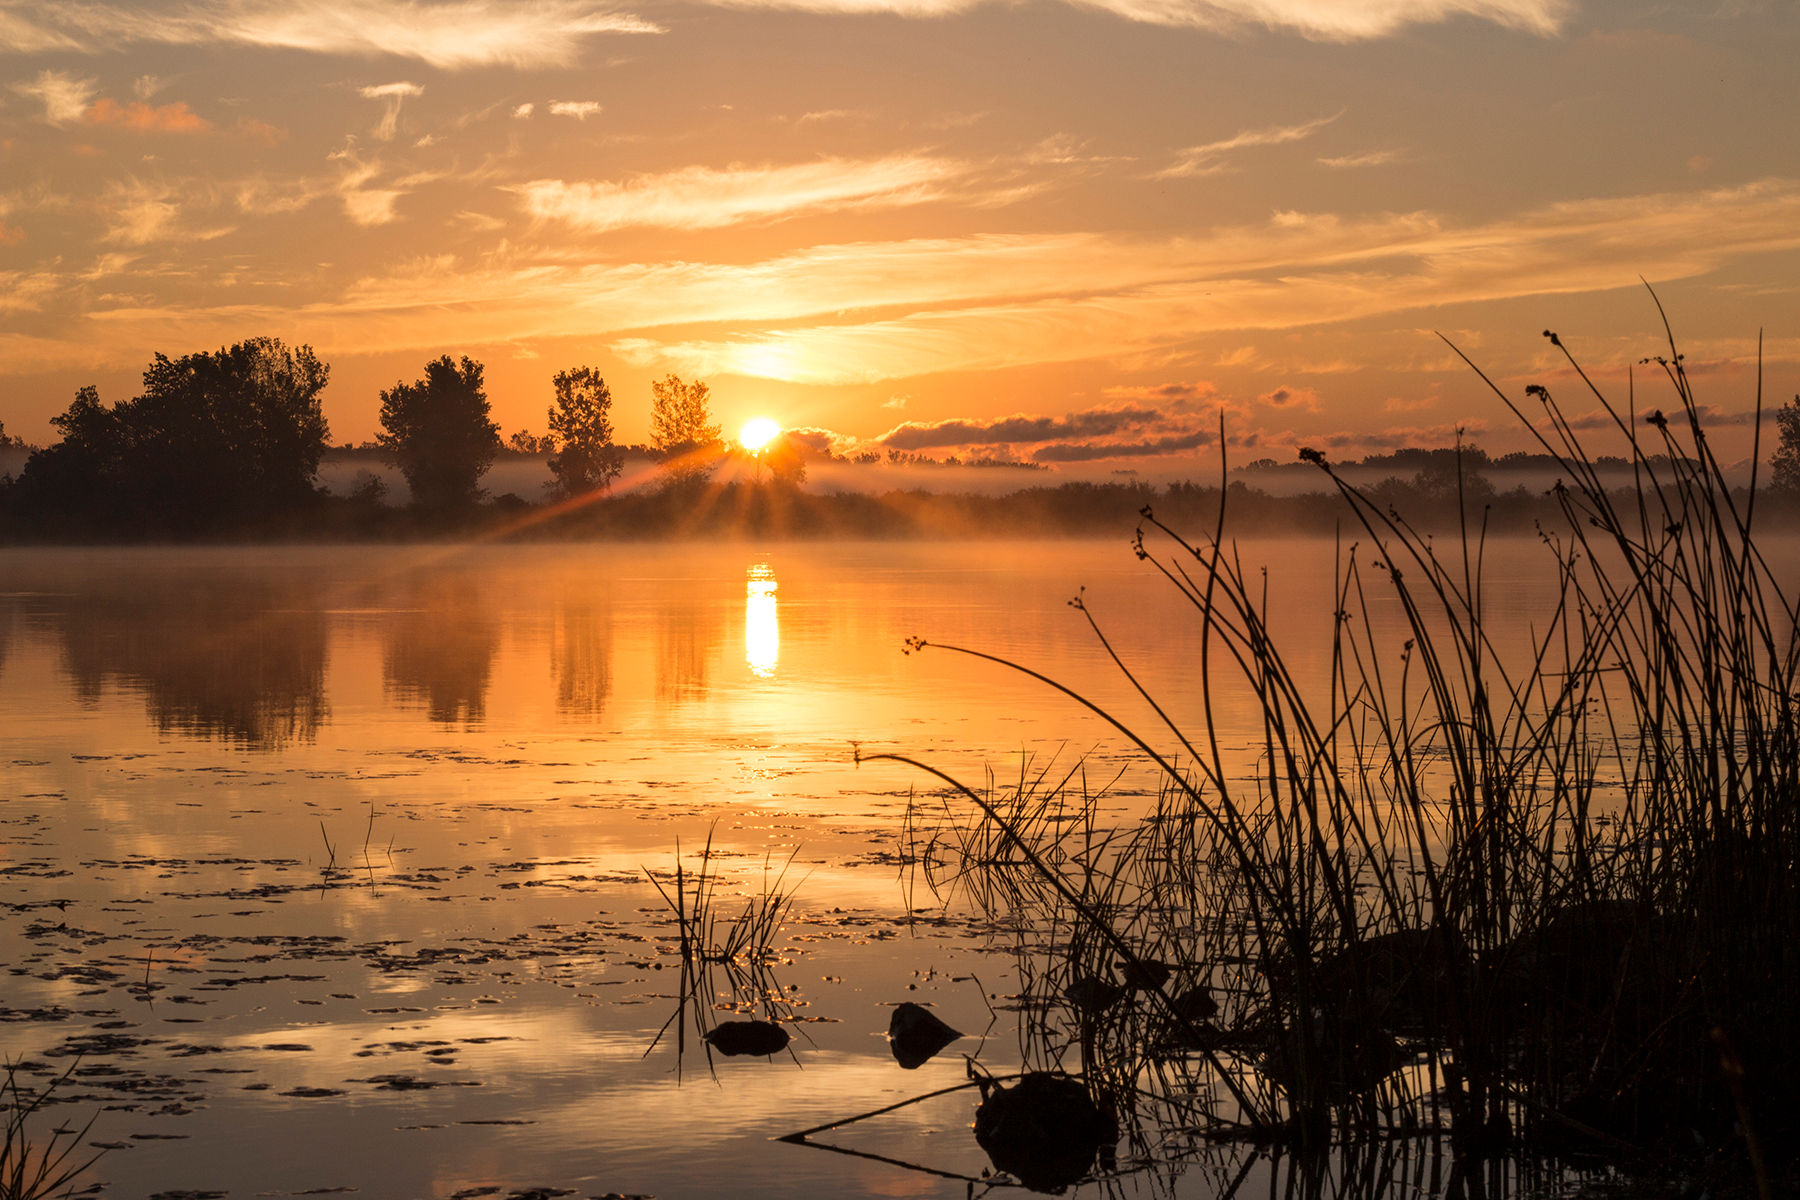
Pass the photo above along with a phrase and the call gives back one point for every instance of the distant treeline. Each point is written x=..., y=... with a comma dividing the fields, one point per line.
x=228, y=446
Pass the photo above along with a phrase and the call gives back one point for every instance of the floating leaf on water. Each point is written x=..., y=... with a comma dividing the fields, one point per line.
x=914, y=1035
x=1044, y=1130
x=734, y=1038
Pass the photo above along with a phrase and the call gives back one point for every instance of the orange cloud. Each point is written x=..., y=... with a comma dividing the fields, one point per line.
x=10, y=235
x=147, y=118
x=260, y=131
x=705, y=198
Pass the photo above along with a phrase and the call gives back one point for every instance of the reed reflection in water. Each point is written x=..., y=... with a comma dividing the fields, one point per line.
x=762, y=622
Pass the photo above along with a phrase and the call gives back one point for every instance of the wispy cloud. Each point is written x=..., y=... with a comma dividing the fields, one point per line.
x=148, y=118
x=26, y=291
x=363, y=204
x=1294, y=272
x=705, y=198
x=581, y=110
x=452, y=34
x=1212, y=158
x=141, y=212
x=138, y=212
x=1369, y=158
x=65, y=98
x=1321, y=21
x=392, y=96
x=869, y=312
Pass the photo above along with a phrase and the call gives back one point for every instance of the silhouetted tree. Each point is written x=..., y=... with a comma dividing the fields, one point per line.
x=80, y=475
x=438, y=433
x=1785, y=475
x=526, y=442
x=682, y=428
x=214, y=439
x=581, y=420
x=784, y=456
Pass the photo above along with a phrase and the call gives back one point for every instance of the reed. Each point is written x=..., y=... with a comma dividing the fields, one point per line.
x=727, y=961
x=1461, y=892
x=708, y=937
x=31, y=1168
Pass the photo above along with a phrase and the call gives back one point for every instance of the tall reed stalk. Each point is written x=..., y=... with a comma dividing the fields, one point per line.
x=37, y=1167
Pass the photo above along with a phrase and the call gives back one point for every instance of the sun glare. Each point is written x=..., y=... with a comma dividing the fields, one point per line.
x=757, y=433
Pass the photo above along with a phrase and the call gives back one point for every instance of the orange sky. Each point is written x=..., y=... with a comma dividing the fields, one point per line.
x=1063, y=230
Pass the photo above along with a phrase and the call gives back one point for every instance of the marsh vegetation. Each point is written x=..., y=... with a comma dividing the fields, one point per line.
x=1490, y=896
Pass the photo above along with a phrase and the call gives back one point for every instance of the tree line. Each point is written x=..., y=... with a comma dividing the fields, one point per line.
x=231, y=442
x=234, y=439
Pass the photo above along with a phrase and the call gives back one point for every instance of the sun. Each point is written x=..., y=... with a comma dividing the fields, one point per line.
x=757, y=433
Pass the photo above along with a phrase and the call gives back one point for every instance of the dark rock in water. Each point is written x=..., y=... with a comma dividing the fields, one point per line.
x=1196, y=1004
x=1145, y=974
x=1092, y=995
x=733, y=1038
x=1333, y=1056
x=1044, y=1130
x=1401, y=980
x=1189, y=1021
x=914, y=1035
x=1568, y=968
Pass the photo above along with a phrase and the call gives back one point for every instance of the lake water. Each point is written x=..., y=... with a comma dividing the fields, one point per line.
x=324, y=867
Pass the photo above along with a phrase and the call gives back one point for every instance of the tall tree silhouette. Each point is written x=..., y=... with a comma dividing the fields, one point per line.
x=437, y=431
x=212, y=441
x=581, y=422
x=682, y=428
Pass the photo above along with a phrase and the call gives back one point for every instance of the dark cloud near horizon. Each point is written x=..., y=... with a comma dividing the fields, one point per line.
x=1073, y=452
x=1710, y=417
x=818, y=441
x=1019, y=428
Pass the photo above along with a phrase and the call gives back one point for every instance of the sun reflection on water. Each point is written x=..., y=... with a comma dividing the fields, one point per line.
x=762, y=625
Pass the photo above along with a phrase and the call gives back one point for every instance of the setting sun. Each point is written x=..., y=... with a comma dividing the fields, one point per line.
x=757, y=433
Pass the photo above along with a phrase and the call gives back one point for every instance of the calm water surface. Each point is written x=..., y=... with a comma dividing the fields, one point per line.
x=324, y=866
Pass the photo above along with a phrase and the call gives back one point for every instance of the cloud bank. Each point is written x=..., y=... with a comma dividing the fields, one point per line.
x=453, y=34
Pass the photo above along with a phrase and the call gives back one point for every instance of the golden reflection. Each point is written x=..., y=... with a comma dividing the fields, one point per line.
x=440, y=653
x=581, y=656
x=762, y=625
